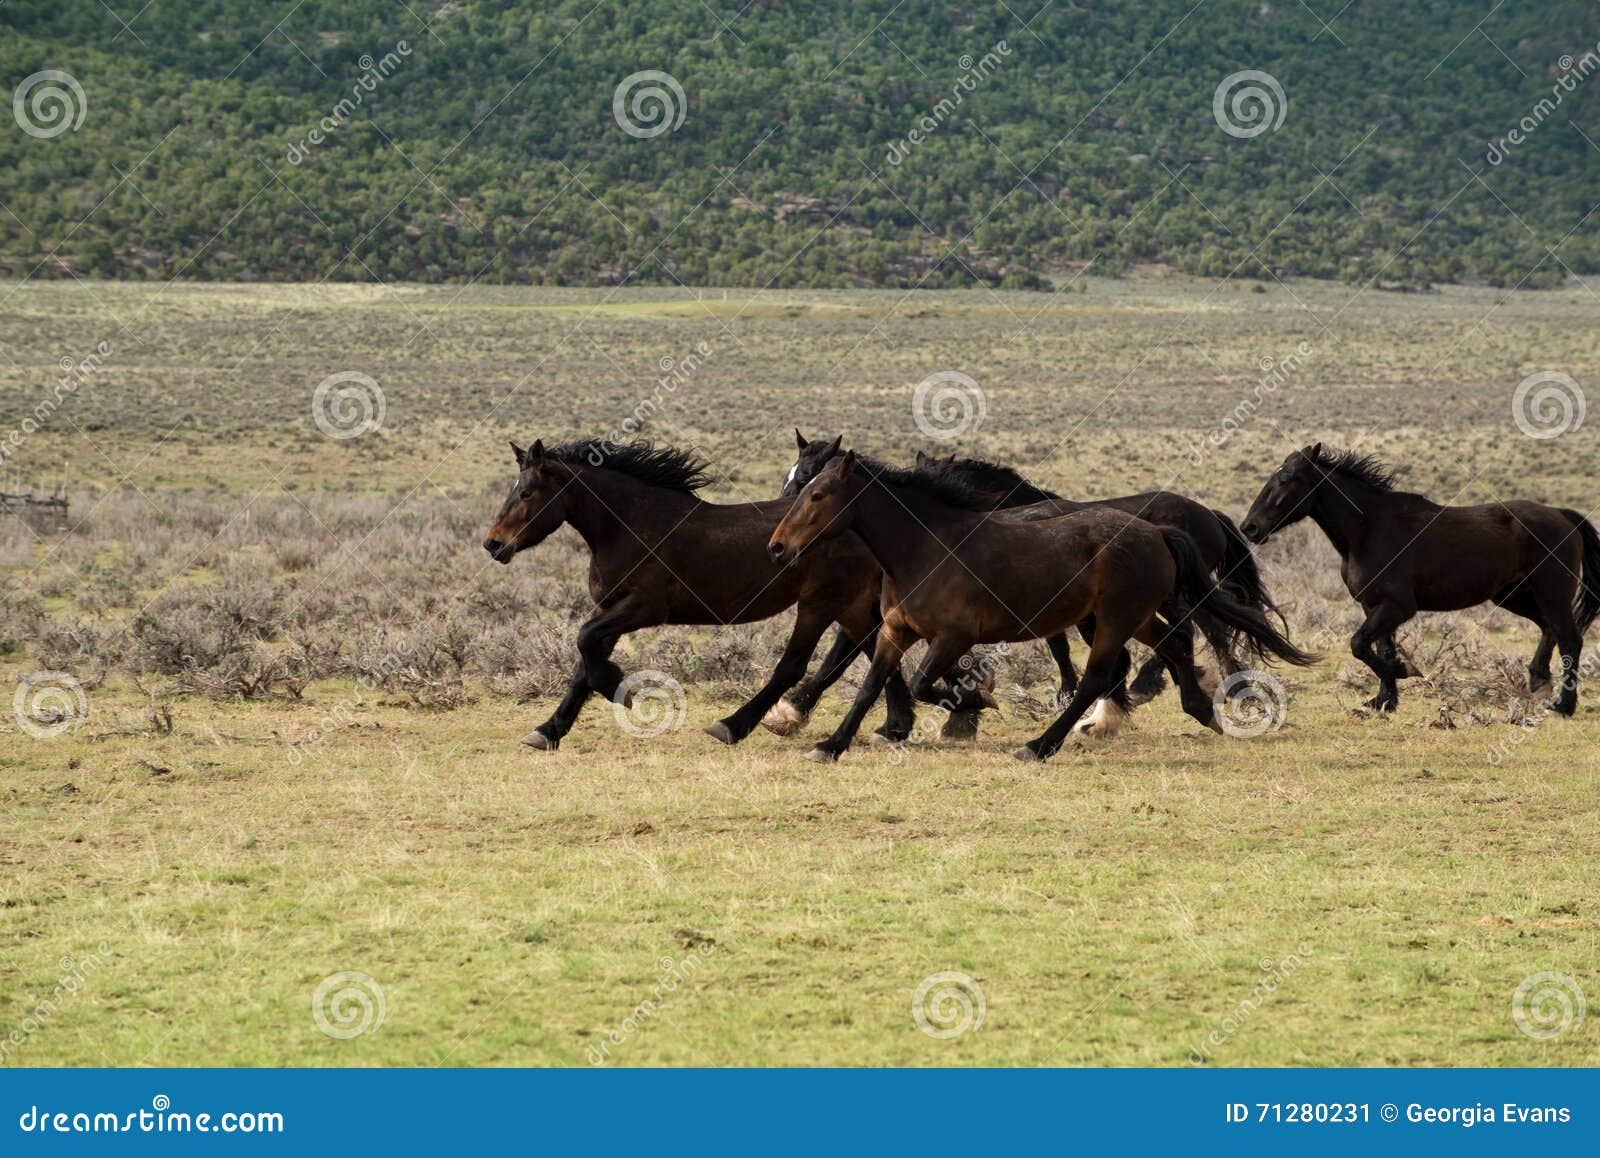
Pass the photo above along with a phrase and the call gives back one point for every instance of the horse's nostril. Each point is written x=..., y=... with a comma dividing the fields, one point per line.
x=492, y=545
x=1249, y=528
x=776, y=549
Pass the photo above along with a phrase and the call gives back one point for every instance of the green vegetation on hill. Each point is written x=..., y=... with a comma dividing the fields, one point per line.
x=489, y=150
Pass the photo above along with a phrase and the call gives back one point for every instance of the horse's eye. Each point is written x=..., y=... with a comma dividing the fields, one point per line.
x=816, y=497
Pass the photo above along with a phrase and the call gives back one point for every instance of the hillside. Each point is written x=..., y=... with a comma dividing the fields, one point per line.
x=477, y=141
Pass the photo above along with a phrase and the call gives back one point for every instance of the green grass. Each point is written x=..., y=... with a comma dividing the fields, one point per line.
x=1114, y=905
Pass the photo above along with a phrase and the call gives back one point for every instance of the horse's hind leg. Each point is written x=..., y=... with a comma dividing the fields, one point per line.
x=1111, y=709
x=791, y=712
x=1174, y=645
x=1526, y=606
x=1061, y=652
x=809, y=625
x=1558, y=622
x=1100, y=677
x=1149, y=683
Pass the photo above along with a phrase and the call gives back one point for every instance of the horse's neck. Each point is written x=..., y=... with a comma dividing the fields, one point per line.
x=1348, y=511
x=607, y=507
x=905, y=527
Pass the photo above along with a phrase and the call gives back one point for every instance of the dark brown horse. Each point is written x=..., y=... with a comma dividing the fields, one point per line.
x=957, y=574
x=1402, y=554
x=1223, y=549
x=659, y=554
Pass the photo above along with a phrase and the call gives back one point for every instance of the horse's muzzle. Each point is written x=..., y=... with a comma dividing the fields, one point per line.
x=1254, y=532
x=780, y=553
x=498, y=551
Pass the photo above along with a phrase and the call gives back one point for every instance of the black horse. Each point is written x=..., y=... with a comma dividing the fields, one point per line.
x=1222, y=548
x=1402, y=554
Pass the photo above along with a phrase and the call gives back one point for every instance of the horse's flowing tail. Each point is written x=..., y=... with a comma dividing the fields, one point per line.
x=1587, y=607
x=1209, y=601
x=1239, y=572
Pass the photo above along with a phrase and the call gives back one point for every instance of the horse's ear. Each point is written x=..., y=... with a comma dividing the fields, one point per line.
x=519, y=452
x=1314, y=453
x=834, y=449
x=922, y=459
x=848, y=463
x=536, y=452
x=951, y=460
x=799, y=439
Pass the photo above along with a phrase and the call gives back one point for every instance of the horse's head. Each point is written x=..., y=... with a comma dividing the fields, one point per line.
x=814, y=455
x=1284, y=499
x=824, y=508
x=533, y=508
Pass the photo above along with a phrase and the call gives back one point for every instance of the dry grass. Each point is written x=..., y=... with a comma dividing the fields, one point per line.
x=306, y=681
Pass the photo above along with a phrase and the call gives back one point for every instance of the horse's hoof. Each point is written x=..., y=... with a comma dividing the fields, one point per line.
x=537, y=739
x=962, y=725
x=1216, y=726
x=784, y=719
x=722, y=733
x=822, y=756
x=1105, y=723
x=1561, y=709
x=1380, y=705
x=1027, y=754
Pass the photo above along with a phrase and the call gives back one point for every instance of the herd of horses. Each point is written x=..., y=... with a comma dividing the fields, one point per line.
x=962, y=552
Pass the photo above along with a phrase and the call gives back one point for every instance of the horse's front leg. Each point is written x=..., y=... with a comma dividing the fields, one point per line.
x=595, y=673
x=791, y=712
x=1383, y=620
x=892, y=644
x=809, y=625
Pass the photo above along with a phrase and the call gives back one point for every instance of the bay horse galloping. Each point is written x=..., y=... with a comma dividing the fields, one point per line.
x=1222, y=548
x=660, y=554
x=957, y=574
x=1401, y=554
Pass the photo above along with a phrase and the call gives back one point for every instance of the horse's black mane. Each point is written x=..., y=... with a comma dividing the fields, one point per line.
x=948, y=489
x=1363, y=469
x=661, y=466
x=997, y=476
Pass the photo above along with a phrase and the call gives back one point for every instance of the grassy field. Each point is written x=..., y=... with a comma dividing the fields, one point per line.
x=248, y=810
